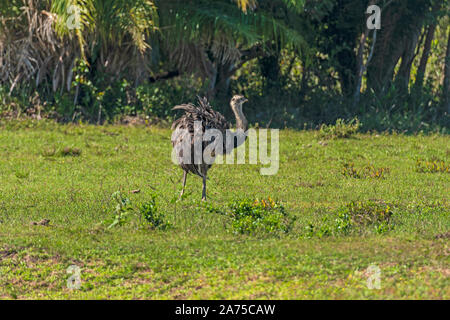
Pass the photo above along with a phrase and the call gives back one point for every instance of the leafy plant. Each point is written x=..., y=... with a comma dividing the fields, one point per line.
x=349, y=170
x=369, y=171
x=266, y=215
x=432, y=166
x=341, y=129
x=361, y=215
x=152, y=216
x=318, y=231
x=122, y=209
x=20, y=174
x=157, y=99
x=374, y=172
x=48, y=152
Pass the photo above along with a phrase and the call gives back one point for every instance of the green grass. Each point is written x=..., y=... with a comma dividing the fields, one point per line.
x=67, y=174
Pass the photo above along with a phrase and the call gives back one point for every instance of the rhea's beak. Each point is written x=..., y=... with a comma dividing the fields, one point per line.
x=244, y=100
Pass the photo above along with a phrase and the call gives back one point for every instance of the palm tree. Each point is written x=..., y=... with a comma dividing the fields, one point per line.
x=39, y=44
x=239, y=34
x=41, y=40
x=114, y=36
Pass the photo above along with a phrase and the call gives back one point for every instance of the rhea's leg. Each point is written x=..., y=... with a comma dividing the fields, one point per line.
x=204, y=188
x=184, y=183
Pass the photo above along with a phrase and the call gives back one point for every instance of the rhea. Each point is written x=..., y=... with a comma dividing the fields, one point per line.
x=186, y=135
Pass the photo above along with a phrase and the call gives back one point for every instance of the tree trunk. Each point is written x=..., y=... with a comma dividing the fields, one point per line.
x=404, y=73
x=362, y=67
x=381, y=71
x=446, y=87
x=426, y=51
x=360, y=63
x=222, y=87
x=396, y=41
x=221, y=72
x=424, y=59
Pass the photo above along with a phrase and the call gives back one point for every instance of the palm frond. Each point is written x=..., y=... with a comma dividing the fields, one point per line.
x=220, y=28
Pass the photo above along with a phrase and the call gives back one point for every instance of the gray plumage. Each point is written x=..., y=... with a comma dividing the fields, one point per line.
x=184, y=135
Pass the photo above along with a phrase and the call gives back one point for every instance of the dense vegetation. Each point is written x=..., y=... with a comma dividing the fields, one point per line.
x=300, y=62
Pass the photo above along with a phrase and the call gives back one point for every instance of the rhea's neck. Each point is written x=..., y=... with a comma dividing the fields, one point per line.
x=241, y=121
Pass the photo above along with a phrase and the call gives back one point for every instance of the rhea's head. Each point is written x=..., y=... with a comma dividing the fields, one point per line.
x=236, y=104
x=237, y=101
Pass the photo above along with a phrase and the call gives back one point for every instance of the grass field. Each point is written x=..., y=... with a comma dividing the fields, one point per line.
x=68, y=174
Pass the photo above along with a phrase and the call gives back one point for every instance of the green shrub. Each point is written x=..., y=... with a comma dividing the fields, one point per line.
x=341, y=129
x=251, y=217
x=432, y=166
x=354, y=217
x=147, y=211
x=369, y=171
x=318, y=231
x=21, y=174
x=349, y=170
x=158, y=99
x=154, y=218
x=122, y=209
x=361, y=216
x=48, y=152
